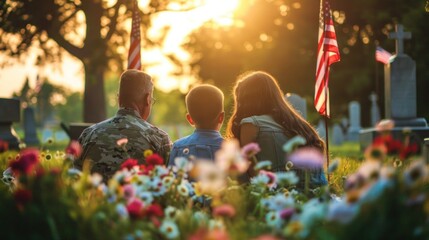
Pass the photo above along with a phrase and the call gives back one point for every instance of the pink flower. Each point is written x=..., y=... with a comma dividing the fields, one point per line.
x=307, y=158
x=122, y=141
x=26, y=162
x=204, y=234
x=230, y=159
x=135, y=208
x=154, y=159
x=129, y=163
x=128, y=191
x=271, y=176
x=250, y=150
x=385, y=125
x=74, y=148
x=287, y=213
x=225, y=210
x=266, y=237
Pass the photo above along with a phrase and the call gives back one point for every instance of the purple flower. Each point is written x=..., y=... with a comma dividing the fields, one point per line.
x=307, y=158
x=250, y=150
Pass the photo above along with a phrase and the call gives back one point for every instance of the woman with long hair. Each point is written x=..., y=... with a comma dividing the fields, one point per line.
x=262, y=115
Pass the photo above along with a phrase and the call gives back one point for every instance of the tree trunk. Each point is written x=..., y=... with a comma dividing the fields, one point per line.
x=94, y=101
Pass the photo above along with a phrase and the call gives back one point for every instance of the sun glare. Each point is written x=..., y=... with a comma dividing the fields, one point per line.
x=180, y=25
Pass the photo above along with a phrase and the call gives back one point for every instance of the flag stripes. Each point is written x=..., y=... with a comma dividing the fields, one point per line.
x=134, y=58
x=327, y=53
x=382, y=55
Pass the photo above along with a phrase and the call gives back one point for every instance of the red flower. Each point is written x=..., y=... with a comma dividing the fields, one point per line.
x=4, y=146
x=135, y=208
x=129, y=163
x=145, y=170
x=154, y=210
x=74, y=148
x=22, y=197
x=26, y=162
x=154, y=159
x=393, y=146
x=408, y=150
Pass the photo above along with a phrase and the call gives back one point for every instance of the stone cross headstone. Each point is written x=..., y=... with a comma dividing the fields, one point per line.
x=375, y=111
x=337, y=135
x=9, y=113
x=299, y=103
x=355, y=121
x=30, y=132
x=400, y=84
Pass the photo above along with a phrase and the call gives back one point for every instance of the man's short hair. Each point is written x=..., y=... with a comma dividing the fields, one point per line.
x=133, y=85
x=204, y=103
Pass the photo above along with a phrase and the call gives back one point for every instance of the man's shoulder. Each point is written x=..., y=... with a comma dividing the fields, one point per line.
x=157, y=131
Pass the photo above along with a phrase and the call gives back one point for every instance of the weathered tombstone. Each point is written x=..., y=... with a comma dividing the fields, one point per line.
x=344, y=124
x=299, y=103
x=400, y=85
x=375, y=111
x=355, y=126
x=400, y=94
x=75, y=129
x=9, y=113
x=337, y=135
x=30, y=133
x=321, y=129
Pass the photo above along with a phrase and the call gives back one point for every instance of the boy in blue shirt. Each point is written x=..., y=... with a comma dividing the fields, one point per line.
x=204, y=104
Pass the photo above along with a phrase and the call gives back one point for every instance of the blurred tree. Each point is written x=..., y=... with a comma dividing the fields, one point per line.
x=90, y=30
x=280, y=37
x=71, y=109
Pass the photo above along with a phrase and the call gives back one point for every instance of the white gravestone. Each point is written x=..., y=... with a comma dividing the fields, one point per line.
x=299, y=103
x=355, y=121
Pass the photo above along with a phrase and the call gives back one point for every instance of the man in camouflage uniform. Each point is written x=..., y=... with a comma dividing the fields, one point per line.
x=100, y=141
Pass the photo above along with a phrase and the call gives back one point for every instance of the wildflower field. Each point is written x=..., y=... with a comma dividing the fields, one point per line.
x=372, y=195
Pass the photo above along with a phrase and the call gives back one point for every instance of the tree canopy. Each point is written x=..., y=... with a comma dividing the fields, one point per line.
x=281, y=37
x=90, y=30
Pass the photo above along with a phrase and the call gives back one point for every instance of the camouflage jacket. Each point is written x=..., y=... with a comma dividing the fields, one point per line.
x=99, y=142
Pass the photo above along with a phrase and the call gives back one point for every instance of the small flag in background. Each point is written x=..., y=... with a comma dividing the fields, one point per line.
x=327, y=53
x=382, y=55
x=134, y=59
x=38, y=85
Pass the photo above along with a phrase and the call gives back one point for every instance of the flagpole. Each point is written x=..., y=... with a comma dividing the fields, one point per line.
x=376, y=75
x=326, y=124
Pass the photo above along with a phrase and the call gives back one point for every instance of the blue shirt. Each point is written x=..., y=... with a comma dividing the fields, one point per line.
x=201, y=144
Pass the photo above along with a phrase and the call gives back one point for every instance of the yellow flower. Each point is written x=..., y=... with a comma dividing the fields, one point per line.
x=147, y=153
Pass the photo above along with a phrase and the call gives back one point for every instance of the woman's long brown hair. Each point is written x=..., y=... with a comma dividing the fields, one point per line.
x=258, y=93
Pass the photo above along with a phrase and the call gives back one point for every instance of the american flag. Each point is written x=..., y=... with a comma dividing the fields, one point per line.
x=134, y=59
x=382, y=55
x=327, y=53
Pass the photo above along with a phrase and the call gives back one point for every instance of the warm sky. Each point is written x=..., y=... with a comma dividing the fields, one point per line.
x=70, y=72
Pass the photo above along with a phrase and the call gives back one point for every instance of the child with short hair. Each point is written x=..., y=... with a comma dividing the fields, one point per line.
x=204, y=104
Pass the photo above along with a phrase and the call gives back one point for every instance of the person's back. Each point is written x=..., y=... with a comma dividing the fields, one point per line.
x=270, y=139
x=262, y=115
x=127, y=135
x=205, y=112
